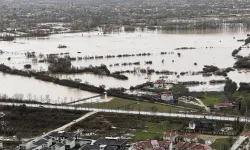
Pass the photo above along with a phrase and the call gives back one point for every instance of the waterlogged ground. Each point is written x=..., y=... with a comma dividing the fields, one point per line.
x=212, y=48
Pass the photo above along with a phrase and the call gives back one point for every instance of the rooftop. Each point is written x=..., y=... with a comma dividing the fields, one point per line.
x=40, y=142
x=111, y=142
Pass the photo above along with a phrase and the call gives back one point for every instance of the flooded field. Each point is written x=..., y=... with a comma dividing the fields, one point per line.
x=42, y=91
x=211, y=48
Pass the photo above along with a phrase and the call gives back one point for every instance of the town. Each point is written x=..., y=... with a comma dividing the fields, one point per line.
x=124, y=75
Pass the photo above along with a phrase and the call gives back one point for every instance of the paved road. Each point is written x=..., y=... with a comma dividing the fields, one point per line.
x=177, y=115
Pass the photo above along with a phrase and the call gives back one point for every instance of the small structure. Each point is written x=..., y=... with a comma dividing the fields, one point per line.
x=205, y=125
x=191, y=126
x=119, y=143
x=167, y=96
x=224, y=106
x=192, y=138
x=59, y=146
x=1, y=144
x=169, y=136
x=160, y=83
x=26, y=145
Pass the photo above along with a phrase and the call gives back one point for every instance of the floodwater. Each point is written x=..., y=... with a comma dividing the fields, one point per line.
x=212, y=48
x=33, y=89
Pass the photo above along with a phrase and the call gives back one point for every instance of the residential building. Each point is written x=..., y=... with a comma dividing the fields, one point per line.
x=169, y=136
x=167, y=96
x=59, y=146
x=119, y=143
x=191, y=138
x=26, y=145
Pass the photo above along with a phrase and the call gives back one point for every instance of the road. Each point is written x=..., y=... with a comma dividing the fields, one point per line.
x=62, y=128
x=177, y=115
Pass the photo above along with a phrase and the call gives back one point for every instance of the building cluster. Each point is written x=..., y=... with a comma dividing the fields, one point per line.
x=71, y=141
x=171, y=141
x=84, y=14
x=54, y=141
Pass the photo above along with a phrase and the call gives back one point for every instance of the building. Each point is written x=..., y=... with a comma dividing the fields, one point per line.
x=191, y=138
x=59, y=146
x=160, y=84
x=224, y=106
x=205, y=125
x=55, y=141
x=26, y=145
x=167, y=96
x=161, y=145
x=96, y=147
x=191, y=146
x=169, y=136
x=119, y=143
x=1, y=145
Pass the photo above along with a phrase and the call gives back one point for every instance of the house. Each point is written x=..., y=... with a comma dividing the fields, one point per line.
x=150, y=145
x=191, y=138
x=26, y=145
x=59, y=146
x=70, y=143
x=46, y=148
x=155, y=144
x=96, y=147
x=61, y=136
x=1, y=145
x=49, y=139
x=159, y=83
x=205, y=125
x=119, y=143
x=169, y=136
x=224, y=106
x=38, y=145
x=191, y=146
x=191, y=126
x=167, y=96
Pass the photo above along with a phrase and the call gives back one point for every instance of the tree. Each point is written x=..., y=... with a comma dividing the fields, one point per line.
x=230, y=87
x=61, y=66
x=179, y=90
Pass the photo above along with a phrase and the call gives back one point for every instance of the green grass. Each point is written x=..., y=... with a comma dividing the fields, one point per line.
x=154, y=130
x=242, y=94
x=210, y=100
x=221, y=144
x=125, y=104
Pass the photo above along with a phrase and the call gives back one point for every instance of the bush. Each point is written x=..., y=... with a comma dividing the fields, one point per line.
x=62, y=65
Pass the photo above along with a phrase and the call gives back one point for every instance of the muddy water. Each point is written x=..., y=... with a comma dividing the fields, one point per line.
x=212, y=48
x=38, y=90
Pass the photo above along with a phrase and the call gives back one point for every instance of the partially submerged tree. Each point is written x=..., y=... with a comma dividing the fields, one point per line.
x=230, y=87
x=62, y=65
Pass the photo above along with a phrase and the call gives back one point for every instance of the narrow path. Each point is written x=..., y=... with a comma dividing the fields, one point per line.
x=203, y=105
x=62, y=128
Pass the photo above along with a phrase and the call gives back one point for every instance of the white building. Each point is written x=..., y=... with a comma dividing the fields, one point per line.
x=59, y=146
x=167, y=96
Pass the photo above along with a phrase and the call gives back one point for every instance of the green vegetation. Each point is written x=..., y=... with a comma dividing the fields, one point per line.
x=230, y=87
x=242, y=94
x=125, y=104
x=222, y=144
x=180, y=90
x=135, y=127
x=210, y=100
x=24, y=122
x=155, y=130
